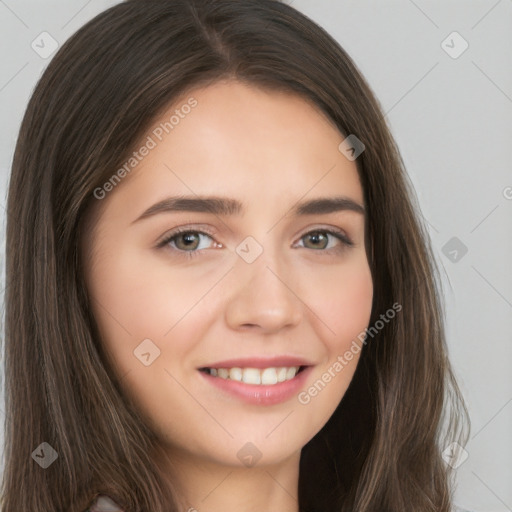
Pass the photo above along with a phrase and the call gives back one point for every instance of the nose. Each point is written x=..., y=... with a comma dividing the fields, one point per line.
x=263, y=297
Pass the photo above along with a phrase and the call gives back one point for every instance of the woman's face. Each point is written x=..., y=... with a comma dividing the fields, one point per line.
x=259, y=286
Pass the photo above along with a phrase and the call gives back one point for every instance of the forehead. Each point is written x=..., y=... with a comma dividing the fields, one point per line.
x=261, y=146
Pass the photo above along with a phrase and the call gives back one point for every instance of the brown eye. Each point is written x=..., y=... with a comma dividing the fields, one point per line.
x=319, y=239
x=190, y=240
x=185, y=241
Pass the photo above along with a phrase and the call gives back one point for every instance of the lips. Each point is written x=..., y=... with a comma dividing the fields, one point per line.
x=258, y=371
x=262, y=381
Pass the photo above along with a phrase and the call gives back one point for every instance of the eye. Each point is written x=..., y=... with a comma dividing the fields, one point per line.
x=320, y=240
x=186, y=240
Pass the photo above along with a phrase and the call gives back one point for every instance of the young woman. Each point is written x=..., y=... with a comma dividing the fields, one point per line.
x=220, y=293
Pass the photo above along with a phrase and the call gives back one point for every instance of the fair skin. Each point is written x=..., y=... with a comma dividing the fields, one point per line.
x=303, y=296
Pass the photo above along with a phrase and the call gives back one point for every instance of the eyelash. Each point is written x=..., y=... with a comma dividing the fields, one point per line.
x=340, y=235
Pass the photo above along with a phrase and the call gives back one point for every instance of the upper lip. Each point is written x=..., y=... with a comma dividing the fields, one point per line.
x=260, y=362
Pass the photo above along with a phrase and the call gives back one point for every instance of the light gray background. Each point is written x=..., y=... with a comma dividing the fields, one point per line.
x=452, y=119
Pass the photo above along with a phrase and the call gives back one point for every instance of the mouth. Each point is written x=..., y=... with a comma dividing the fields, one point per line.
x=269, y=376
x=258, y=381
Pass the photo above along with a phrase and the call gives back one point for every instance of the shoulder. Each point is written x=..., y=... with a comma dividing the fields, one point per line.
x=459, y=509
x=104, y=504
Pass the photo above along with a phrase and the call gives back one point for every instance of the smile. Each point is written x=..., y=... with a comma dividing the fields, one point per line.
x=256, y=376
x=265, y=386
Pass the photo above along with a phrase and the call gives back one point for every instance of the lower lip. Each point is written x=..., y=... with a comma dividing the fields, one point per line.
x=260, y=394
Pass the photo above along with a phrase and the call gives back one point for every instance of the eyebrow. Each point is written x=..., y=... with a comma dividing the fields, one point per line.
x=227, y=206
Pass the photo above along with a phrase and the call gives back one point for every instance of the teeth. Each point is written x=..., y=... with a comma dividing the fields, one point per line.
x=265, y=376
x=251, y=376
x=222, y=372
x=281, y=374
x=269, y=376
x=291, y=372
x=235, y=374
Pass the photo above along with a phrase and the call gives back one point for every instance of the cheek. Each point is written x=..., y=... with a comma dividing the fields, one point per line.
x=133, y=297
x=344, y=307
x=342, y=301
x=135, y=300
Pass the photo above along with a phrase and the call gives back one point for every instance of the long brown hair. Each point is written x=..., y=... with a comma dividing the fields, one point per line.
x=381, y=449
